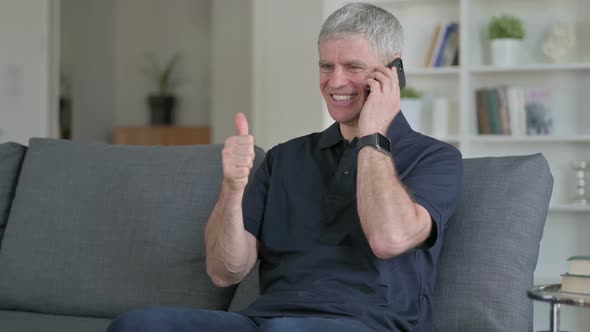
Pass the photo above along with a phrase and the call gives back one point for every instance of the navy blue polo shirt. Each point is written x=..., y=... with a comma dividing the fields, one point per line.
x=314, y=257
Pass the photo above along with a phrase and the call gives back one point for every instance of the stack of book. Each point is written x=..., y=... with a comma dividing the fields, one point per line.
x=577, y=280
x=444, y=47
x=509, y=110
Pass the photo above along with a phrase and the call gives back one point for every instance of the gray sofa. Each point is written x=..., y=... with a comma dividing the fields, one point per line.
x=89, y=231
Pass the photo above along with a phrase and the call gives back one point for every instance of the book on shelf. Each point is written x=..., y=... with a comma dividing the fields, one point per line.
x=433, y=45
x=577, y=280
x=444, y=46
x=579, y=265
x=483, y=120
x=510, y=110
x=492, y=111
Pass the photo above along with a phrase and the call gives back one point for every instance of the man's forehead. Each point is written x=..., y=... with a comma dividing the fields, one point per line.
x=344, y=61
x=354, y=48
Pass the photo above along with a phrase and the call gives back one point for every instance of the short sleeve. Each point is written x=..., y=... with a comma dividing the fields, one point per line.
x=435, y=184
x=254, y=201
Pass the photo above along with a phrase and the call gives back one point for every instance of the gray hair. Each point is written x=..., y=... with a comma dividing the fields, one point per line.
x=380, y=27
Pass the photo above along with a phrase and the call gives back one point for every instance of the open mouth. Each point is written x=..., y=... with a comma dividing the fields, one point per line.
x=343, y=97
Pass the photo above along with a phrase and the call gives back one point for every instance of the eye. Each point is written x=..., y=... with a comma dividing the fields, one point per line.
x=326, y=67
x=355, y=68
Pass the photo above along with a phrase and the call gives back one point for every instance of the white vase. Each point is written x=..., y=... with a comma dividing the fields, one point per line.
x=412, y=110
x=440, y=117
x=505, y=52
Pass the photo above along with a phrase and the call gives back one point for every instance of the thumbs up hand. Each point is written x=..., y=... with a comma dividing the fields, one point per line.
x=237, y=156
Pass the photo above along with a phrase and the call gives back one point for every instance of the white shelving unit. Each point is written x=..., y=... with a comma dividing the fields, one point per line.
x=568, y=226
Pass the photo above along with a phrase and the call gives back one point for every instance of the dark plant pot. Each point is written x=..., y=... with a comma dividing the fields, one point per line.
x=161, y=109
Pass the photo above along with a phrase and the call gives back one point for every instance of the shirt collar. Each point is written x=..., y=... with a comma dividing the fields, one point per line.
x=398, y=128
x=330, y=137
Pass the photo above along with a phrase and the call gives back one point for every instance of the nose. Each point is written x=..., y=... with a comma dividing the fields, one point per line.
x=338, y=78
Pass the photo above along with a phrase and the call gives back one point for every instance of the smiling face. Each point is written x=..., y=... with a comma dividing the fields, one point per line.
x=345, y=64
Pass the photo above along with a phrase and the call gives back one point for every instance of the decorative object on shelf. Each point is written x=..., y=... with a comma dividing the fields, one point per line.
x=162, y=103
x=411, y=104
x=579, y=167
x=440, y=117
x=560, y=43
x=539, y=118
x=506, y=34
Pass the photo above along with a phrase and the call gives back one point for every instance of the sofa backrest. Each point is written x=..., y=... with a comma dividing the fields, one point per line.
x=96, y=229
x=11, y=158
x=492, y=245
x=490, y=250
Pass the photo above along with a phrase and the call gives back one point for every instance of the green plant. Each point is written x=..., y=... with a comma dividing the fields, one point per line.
x=410, y=93
x=162, y=75
x=506, y=26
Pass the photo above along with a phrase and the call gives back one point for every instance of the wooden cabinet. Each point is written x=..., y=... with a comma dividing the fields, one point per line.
x=162, y=135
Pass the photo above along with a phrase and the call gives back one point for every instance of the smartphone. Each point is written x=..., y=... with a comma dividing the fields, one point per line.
x=399, y=66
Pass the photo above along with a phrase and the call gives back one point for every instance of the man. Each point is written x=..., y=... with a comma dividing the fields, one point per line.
x=348, y=223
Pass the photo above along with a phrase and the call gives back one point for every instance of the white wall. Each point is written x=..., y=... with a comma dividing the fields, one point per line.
x=265, y=64
x=88, y=65
x=287, y=102
x=104, y=46
x=237, y=56
x=27, y=81
x=162, y=28
x=231, y=65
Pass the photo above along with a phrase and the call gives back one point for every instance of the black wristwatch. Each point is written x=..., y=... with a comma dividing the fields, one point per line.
x=377, y=141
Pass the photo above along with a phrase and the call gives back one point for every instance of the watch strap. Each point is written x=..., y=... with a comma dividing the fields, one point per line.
x=377, y=141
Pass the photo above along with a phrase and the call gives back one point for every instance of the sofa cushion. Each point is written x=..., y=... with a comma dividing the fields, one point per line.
x=97, y=229
x=247, y=291
x=16, y=321
x=11, y=157
x=492, y=244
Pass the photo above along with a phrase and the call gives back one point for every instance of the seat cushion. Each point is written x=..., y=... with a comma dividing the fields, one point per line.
x=492, y=245
x=247, y=291
x=16, y=321
x=96, y=229
x=11, y=157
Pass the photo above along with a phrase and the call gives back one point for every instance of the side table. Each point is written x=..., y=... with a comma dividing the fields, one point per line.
x=555, y=297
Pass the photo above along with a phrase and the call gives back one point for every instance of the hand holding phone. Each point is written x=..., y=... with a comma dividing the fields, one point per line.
x=377, y=114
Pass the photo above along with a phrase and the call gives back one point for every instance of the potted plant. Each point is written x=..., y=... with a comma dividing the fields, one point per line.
x=162, y=102
x=411, y=104
x=506, y=34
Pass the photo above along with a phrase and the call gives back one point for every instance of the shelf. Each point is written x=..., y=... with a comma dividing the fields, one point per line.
x=530, y=68
x=530, y=139
x=569, y=208
x=432, y=71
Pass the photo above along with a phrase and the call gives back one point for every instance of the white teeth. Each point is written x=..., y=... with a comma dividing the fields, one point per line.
x=343, y=97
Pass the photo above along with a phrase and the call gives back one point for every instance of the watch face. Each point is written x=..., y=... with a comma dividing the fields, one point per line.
x=384, y=143
x=377, y=141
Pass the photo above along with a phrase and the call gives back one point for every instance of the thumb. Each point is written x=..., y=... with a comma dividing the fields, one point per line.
x=241, y=124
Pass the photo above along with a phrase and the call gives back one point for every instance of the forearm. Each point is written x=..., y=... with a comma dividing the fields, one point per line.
x=391, y=221
x=230, y=253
